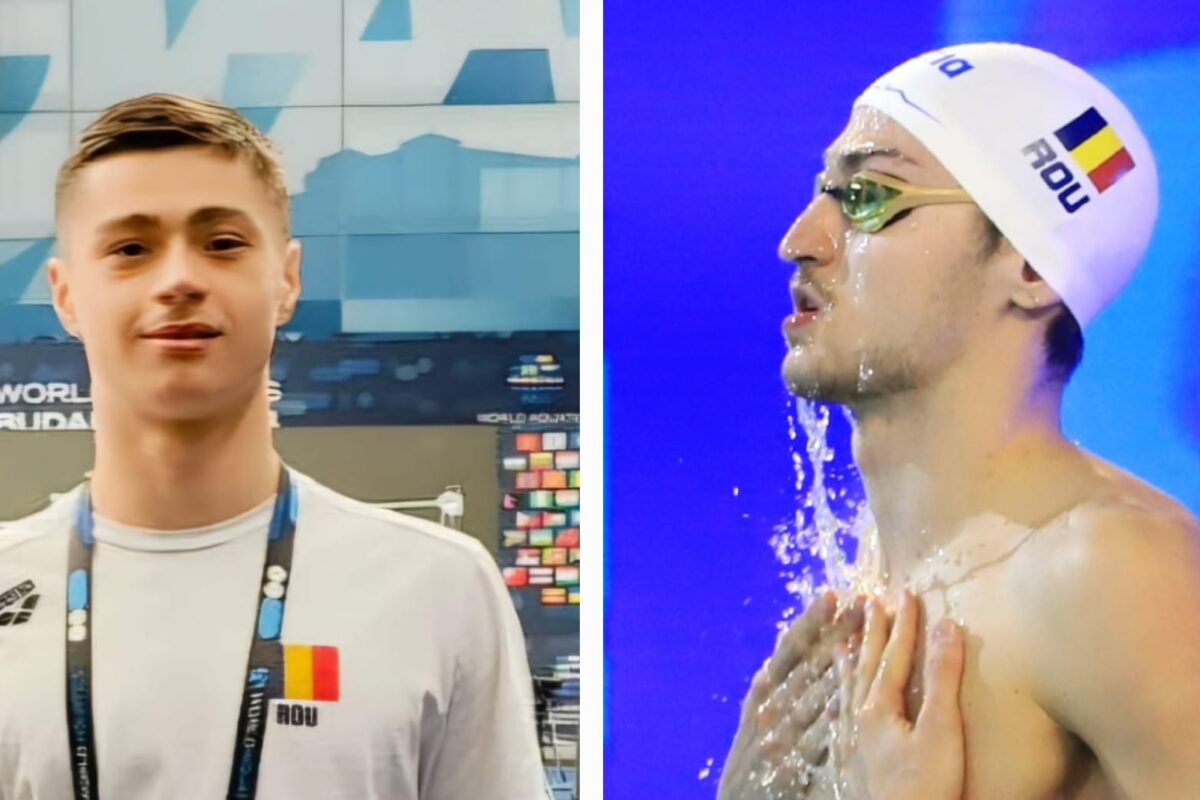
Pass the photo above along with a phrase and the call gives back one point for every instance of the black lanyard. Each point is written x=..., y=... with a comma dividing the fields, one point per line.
x=264, y=668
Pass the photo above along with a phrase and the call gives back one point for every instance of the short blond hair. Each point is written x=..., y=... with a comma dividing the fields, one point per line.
x=162, y=121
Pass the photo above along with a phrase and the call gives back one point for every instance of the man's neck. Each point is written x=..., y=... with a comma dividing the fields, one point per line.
x=932, y=459
x=174, y=476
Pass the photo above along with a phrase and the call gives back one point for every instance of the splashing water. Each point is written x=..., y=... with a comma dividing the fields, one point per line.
x=820, y=546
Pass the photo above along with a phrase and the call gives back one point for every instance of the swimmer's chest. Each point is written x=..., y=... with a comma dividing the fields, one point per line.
x=1014, y=748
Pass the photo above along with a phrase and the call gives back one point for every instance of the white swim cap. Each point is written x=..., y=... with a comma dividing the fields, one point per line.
x=1052, y=157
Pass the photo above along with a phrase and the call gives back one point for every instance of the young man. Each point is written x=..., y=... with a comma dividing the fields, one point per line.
x=211, y=623
x=983, y=204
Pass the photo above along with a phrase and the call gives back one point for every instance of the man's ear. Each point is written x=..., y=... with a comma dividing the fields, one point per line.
x=60, y=294
x=292, y=285
x=1031, y=293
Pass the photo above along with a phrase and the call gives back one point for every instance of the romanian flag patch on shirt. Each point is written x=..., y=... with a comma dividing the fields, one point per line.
x=310, y=672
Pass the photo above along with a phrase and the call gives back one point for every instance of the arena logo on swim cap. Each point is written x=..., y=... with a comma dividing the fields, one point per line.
x=951, y=66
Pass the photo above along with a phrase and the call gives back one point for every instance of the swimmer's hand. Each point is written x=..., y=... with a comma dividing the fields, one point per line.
x=878, y=752
x=784, y=731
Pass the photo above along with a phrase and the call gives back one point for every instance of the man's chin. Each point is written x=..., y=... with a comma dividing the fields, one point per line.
x=183, y=409
x=194, y=398
x=802, y=377
x=851, y=389
x=812, y=385
x=809, y=387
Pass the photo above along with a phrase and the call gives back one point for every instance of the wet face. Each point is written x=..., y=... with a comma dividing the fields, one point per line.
x=885, y=312
x=176, y=272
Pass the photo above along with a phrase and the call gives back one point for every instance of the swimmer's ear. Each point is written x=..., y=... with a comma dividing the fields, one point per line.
x=1032, y=293
x=60, y=293
x=291, y=286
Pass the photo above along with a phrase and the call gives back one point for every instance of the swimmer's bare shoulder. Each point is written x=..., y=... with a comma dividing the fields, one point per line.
x=1112, y=634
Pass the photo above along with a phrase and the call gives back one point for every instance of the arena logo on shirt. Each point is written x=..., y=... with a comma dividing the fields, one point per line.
x=21, y=593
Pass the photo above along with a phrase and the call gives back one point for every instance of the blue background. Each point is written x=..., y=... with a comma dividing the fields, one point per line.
x=714, y=122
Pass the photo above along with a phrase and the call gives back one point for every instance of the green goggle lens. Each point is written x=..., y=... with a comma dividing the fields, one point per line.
x=864, y=202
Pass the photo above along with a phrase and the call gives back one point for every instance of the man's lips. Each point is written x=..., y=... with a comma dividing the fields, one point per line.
x=808, y=305
x=184, y=332
x=806, y=299
x=794, y=322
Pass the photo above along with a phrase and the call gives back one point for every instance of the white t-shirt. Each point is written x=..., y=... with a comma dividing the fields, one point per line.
x=434, y=700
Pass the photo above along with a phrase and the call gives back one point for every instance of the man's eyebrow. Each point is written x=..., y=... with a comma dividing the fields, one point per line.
x=135, y=221
x=851, y=160
x=211, y=214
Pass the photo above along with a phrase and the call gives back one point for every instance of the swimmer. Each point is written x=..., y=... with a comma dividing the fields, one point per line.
x=983, y=204
x=212, y=623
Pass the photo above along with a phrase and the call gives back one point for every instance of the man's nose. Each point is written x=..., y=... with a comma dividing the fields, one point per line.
x=813, y=239
x=181, y=275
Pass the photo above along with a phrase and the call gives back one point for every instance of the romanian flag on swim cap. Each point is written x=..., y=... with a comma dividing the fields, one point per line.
x=310, y=672
x=1096, y=147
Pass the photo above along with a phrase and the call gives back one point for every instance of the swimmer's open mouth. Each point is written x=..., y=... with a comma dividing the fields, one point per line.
x=806, y=300
x=191, y=330
x=809, y=307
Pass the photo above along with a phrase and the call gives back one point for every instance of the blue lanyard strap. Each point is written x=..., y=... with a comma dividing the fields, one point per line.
x=264, y=665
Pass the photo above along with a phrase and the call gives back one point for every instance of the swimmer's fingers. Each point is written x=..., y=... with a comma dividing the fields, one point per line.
x=767, y=694
x=875, y=638
x=800, y=639
x=808, y=672
x=940, y=711
x=887, y=691
x=805, y=651
x=814, y=743
x=841, y=710
x=807, y=688
x=849, y=621
x=816, y=699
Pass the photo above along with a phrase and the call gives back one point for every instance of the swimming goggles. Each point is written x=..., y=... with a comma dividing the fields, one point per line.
x=870, y=200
